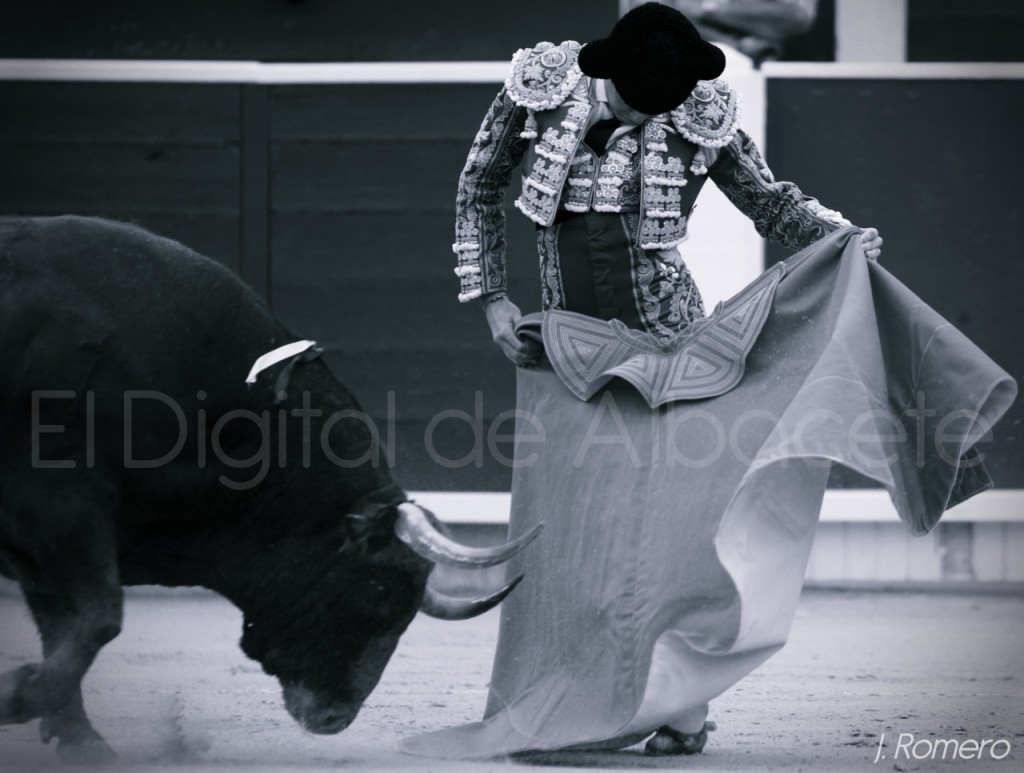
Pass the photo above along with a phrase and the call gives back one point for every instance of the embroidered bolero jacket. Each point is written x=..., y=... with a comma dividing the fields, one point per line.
x=537, y=122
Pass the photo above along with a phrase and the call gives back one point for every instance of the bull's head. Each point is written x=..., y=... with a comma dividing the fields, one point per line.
x=329, y=639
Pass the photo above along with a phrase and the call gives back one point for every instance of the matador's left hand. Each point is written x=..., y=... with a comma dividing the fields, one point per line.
x=871, y=242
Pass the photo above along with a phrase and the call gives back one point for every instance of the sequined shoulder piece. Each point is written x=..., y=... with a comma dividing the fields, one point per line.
x=710, y=115
x=542, y=77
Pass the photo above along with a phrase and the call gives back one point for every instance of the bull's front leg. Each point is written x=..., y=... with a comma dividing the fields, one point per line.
x=70, y=644
x=13, y=709
x=75, y=597
x=41, y=690
x=76, y=739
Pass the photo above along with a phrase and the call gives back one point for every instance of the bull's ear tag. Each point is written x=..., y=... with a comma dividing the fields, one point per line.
x=300, y=351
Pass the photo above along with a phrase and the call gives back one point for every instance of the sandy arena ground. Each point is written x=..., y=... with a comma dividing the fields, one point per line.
x=175, y=693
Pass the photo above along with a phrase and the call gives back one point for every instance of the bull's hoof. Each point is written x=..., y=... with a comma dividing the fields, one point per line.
x=14, y=707
x=77, y=741
x=84, y=747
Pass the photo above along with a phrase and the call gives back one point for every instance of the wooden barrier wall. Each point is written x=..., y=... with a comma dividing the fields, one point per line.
x=166, y=155
x=363, y=183
x=336, y=201
x=931, y=164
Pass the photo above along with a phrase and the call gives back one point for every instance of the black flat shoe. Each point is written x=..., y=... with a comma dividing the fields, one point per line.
x=669, y=742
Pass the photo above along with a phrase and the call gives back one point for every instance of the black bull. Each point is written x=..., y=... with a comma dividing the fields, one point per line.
x=129, y=441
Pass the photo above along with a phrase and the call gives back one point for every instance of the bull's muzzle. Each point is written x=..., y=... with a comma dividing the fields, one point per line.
x=317, y=716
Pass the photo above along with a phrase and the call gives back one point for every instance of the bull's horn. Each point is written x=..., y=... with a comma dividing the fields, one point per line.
x=414, y=528
x=445, y=607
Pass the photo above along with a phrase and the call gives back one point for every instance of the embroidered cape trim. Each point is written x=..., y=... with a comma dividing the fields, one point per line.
x=706, y=359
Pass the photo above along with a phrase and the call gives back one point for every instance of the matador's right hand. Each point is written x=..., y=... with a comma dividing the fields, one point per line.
x=502, y=316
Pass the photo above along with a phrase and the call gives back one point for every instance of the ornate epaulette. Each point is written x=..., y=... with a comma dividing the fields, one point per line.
x=710, y=115
x=542, y=77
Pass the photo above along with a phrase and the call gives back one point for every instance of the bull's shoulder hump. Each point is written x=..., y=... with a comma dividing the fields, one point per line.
x=125, y=269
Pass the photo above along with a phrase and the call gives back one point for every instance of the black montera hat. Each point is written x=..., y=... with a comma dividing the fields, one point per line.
x=654, y=56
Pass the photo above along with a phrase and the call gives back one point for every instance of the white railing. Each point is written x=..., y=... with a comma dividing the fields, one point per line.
x=840, y=505
x=161, y=71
